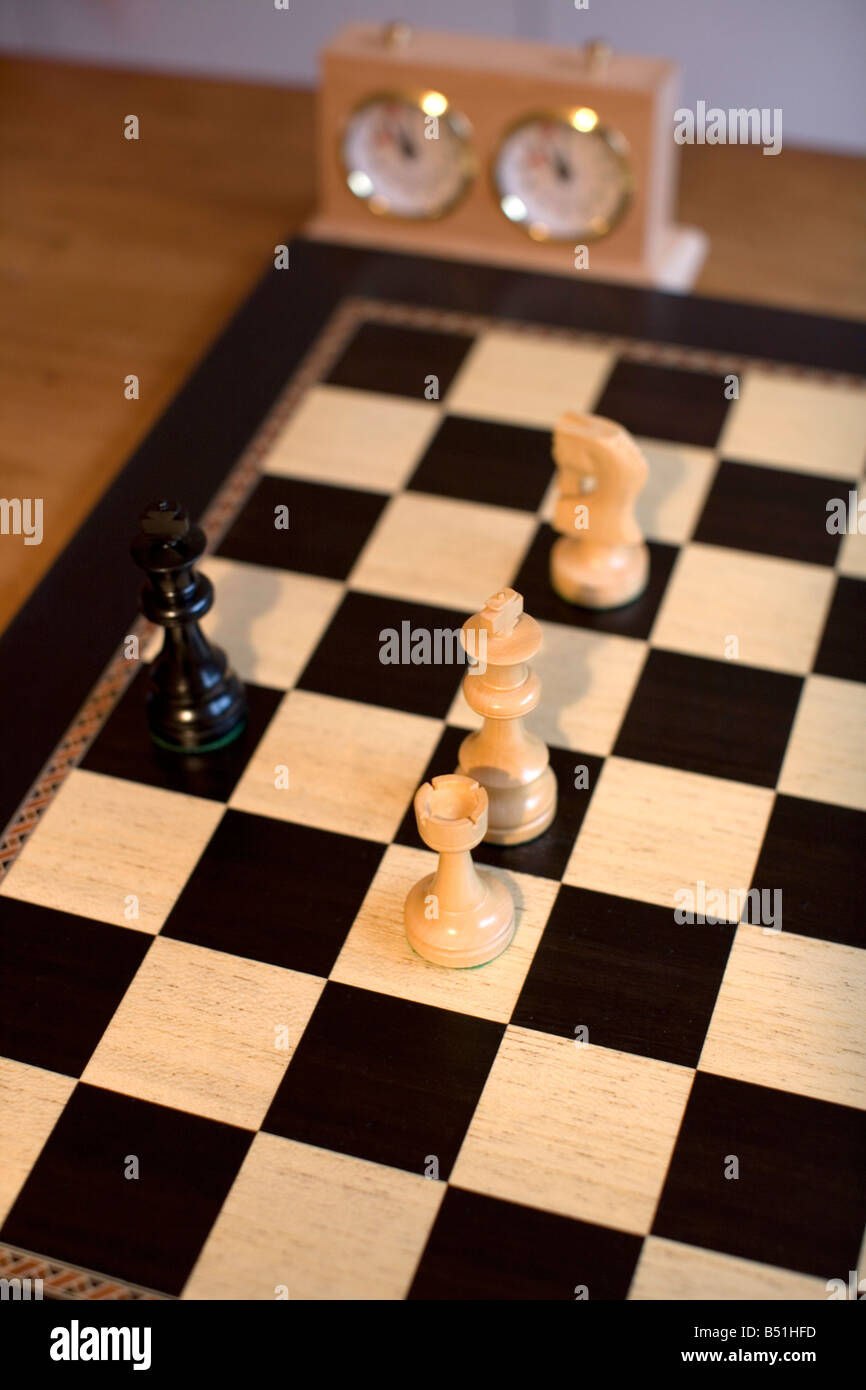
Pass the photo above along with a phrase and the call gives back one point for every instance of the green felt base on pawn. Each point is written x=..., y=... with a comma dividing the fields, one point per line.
x=204, y=747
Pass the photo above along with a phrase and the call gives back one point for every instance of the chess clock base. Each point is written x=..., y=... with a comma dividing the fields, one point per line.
x=675, y=267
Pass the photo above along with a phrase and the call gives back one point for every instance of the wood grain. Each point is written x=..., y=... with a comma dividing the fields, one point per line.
x=803, y=1036
x=440, y=550
x=199, y=1030
x=544, y=1135
x=785, y=423
x=122, y=257
x=351, y=767
x=775, y=608
x=651, y=830
x=99, y=841
x=669, y=1270
x=357, y=439
x=825, y=760
x=323, y=1225
x=506, y=378
x=784, y=229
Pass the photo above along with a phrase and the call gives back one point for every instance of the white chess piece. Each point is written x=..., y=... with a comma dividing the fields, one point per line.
x=600, y=560
x=458, y=916
x=509, y=762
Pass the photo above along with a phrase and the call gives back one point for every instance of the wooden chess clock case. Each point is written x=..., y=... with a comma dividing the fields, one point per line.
x=495, y=84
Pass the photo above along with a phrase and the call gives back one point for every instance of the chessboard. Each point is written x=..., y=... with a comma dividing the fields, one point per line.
x=224, y=1073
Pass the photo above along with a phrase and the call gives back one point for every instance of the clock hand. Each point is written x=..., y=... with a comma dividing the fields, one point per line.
x=407, y=148
x=563, y=170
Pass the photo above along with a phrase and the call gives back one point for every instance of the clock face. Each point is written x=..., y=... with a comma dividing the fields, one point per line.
x=563, y=178
x=407, y=158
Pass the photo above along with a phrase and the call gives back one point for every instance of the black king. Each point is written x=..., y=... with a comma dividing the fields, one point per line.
x=195, y=703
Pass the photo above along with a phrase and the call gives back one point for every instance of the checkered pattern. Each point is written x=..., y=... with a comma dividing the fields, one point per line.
x=206, y=968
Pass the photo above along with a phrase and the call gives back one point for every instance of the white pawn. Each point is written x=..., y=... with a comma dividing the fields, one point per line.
x=459, y=916
x=510, y=763
x=600, y=560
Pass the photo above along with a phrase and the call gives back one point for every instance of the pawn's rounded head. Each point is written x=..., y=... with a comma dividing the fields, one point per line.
x=451, y=812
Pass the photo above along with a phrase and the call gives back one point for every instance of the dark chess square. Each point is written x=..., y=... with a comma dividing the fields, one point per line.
x=771, y=511
x=506, y=1251
x=484, y=461
x=780, y=1210
x=63, y=977
x=327, y=529
x=628, y=973
x=347, y=662
x=78, y=1197
x=405, y=1089
x=685, y=407
x=719, y=718
x=235, y=899
x=382, y=357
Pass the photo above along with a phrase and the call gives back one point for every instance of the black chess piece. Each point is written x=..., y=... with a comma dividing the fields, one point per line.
x=195, y=703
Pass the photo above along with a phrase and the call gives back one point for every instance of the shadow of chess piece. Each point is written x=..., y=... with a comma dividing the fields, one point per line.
x=195, y=703
x=600, y=560
x=458, y=916
x=511, y=764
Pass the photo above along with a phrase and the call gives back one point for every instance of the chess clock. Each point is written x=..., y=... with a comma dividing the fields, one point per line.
x=506, y=151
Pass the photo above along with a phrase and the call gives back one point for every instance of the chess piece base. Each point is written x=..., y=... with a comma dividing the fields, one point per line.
x=233, y=734
x=597, y=577
x=461, y=940
x=196, y=719
x=517, y=814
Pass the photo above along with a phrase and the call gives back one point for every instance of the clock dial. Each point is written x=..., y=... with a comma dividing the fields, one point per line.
x=407, y=158
x=563, y=178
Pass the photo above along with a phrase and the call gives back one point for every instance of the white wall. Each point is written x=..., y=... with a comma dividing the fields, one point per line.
x=806, y=56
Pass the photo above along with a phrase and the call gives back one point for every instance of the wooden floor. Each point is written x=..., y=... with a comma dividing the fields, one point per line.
x=121, y=257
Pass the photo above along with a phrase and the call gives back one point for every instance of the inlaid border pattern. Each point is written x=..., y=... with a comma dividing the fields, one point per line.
x=39, y=1278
